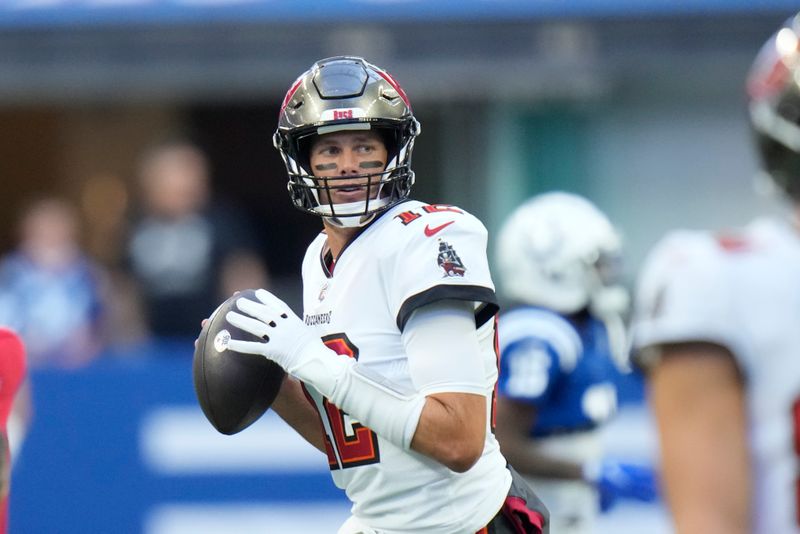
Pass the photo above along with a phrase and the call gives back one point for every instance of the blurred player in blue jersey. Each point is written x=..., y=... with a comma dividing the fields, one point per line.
x=562, y=347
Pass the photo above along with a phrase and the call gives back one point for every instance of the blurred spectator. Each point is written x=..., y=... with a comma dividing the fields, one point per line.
x=562, y=349
x=716, y=328
x=50, y=291
x=186, y=252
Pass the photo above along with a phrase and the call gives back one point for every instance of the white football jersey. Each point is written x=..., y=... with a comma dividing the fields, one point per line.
x=743, y=293
x=412, y=255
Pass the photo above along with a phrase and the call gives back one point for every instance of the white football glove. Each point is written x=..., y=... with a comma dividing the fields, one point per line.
x=363, y=394
x=287, y=341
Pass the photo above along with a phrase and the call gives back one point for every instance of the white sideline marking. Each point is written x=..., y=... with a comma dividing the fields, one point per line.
x=179, y=440
x=247, y=519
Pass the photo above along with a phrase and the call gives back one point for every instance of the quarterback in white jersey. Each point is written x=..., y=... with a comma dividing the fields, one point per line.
x=393, y=365
x=716, y=327
x=414, y=254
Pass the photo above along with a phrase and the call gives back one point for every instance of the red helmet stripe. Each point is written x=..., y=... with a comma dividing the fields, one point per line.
x=765, y=84
x=388, y=77
x=290, y=93
x=773, y=66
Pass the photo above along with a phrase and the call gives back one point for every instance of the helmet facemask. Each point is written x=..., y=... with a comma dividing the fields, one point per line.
x=343, y=94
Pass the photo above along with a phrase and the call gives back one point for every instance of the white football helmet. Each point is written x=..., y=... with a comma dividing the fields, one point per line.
x=558, y=251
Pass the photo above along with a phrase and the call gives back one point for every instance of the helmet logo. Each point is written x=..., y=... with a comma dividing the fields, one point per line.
x=342, y=113
x=449, y=261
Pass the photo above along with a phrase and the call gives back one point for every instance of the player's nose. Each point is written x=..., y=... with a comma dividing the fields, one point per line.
x=349, y=163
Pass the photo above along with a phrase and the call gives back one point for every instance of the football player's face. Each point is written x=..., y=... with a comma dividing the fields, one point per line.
x=348, y=156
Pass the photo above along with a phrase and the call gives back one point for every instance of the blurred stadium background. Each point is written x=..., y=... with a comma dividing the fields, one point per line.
x=637, y=104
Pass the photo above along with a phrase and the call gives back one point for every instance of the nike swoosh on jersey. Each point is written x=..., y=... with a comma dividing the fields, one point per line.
x=430, y=231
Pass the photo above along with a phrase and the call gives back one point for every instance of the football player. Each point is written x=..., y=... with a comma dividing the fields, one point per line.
x=393, y=363
x=717, y=330
x=562, y=349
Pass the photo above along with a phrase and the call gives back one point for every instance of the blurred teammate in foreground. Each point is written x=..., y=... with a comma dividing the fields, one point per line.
x=395, y=353
x=12, y=374
x=562, y=348
x=717, y=329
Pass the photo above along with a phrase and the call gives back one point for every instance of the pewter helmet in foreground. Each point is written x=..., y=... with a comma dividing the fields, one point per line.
x=773, y=88
x=338, y=94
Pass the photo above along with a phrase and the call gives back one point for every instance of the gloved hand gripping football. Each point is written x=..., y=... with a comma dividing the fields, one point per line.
x=367, y=396
x=287, y=341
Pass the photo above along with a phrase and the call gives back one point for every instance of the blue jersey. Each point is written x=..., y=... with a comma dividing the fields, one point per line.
x=560, y=364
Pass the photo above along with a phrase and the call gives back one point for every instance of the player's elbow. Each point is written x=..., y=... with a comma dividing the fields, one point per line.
x=463, y=464
x=453, y=431
x=461, y=455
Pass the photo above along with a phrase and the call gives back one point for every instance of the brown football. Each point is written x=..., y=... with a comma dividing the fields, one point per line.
x=233, y=389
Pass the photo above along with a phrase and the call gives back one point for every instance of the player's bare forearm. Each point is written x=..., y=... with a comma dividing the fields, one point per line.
x=293, y=407
x=698, y=399
x=514, y=419
x=452, y=429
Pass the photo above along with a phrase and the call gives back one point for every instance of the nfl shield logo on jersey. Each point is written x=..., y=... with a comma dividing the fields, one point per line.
x=449, y=261
x=323, y=291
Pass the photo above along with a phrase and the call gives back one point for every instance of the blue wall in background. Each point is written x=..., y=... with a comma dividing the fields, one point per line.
x=96, y=460
x=82, y=468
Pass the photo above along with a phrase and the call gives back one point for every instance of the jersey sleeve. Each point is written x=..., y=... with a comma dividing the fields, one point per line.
x=444, y=363
x=440, y=256
x=537, y=346
x=684, y=294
